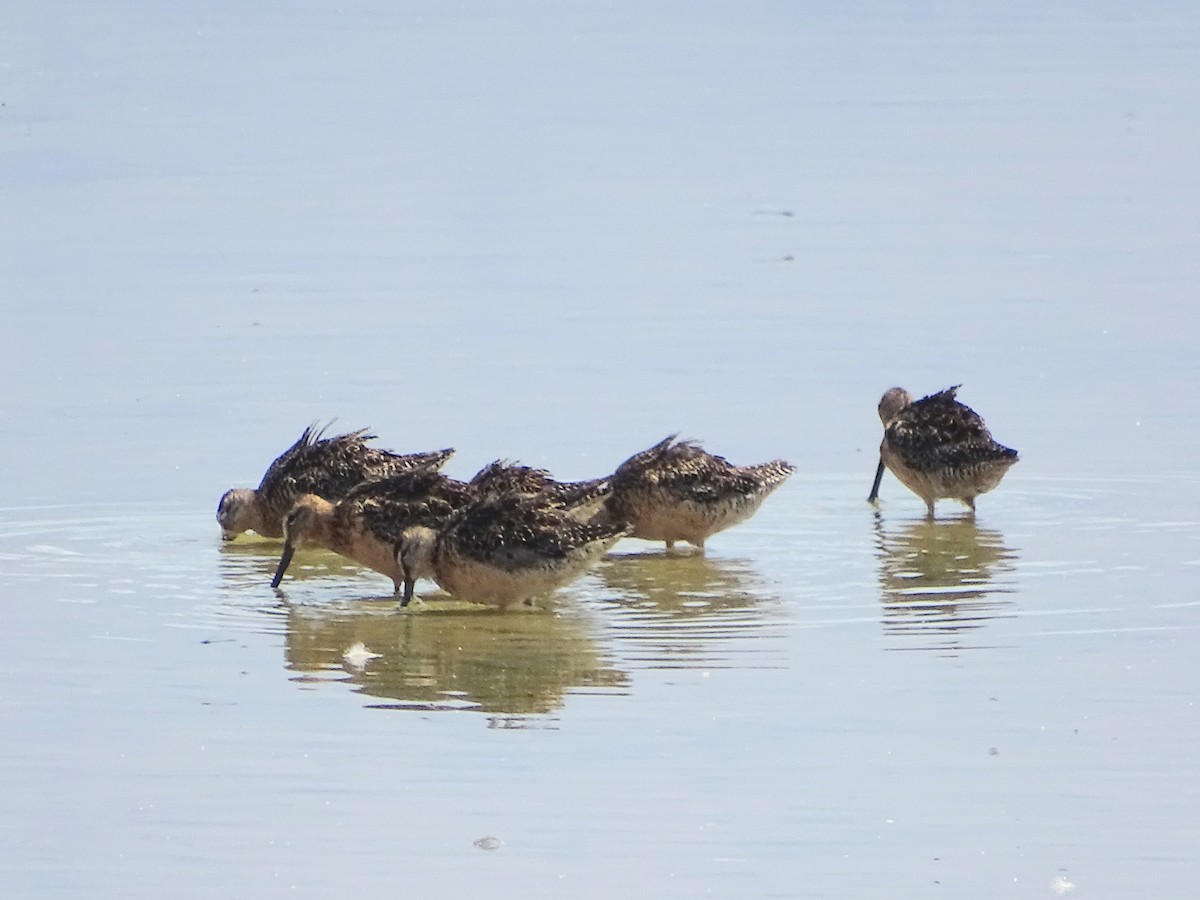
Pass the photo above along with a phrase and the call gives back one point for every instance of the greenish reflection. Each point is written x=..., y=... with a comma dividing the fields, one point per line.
x=690, y=611
x=442, y=654
x=512, y=663
x=254, y=562
x=943, y=579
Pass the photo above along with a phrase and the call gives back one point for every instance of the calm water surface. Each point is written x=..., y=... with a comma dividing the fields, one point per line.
x=557, y=235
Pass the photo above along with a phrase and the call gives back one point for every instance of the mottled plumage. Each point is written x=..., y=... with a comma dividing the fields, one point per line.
x=327, y=467
x=938, y=448
x=368, y=523
x=504, y=549
x=676, y=491
x=504, y=477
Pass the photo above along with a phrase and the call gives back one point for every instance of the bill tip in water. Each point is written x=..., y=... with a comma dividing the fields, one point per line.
x=284, y=561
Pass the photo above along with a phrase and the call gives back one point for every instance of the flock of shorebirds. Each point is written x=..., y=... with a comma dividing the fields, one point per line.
x=513, y=533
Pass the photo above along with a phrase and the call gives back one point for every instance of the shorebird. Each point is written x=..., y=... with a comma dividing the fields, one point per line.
x=368, y=523
x=581, y=498
x=938, y=447
x=504, y=549
x=676, y=491
x=326, y=467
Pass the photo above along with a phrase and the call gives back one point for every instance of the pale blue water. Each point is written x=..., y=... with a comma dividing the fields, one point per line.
x=559, y=233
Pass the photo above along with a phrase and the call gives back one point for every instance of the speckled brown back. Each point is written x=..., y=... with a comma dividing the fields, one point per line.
x=938, y=433
x=331, y=467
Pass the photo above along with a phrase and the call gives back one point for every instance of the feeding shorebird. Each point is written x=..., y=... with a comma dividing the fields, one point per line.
x=504, y=549
x=676, y=491
x=326, y=467
x=581, y=498
x=938, y=447
x=368, y=523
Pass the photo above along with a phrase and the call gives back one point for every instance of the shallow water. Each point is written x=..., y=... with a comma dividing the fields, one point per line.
x=558, y=234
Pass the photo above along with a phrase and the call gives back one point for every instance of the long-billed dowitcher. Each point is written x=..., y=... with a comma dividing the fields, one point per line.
x=368, y=523
x=504, y=549
x=676, y=491
x=328, y=467
x=938, y=447
x=503, y=476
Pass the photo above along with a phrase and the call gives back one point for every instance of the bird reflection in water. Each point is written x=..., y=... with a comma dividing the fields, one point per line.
x=251, y=563
x=517, y=666
x=252, y=560
x=671, y=611
x=942, y=580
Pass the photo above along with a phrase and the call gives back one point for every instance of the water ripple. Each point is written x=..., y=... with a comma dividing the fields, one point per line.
x=941, y=580
x=667, y=611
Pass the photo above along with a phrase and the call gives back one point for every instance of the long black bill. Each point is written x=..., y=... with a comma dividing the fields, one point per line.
x=875, y=487
x=409, y=584
x=284, y=562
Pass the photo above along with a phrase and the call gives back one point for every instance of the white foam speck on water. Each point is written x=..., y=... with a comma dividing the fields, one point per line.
x=1061, y=885
x=357, y=655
